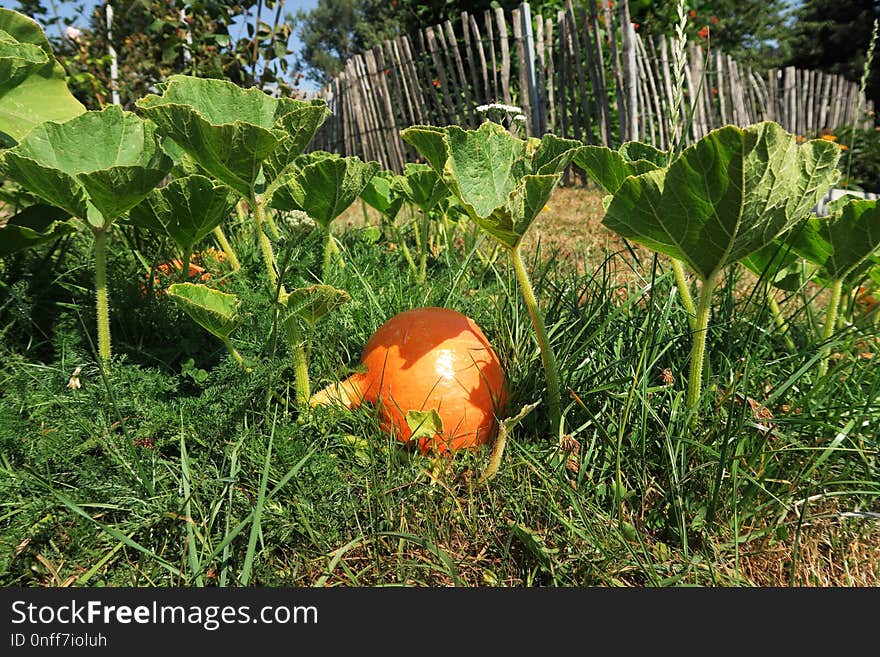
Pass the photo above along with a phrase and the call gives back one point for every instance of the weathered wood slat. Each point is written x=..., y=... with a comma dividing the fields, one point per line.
x=505, y=54
x=481, y=53
x=551, y=76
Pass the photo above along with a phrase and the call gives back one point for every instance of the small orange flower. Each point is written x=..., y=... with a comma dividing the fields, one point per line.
x=704, y=32
x=829, y=137
x=692, y=13
x=714, y=91
x=635, y=25
x=715, y=20
x=436, y=82
x=843, y=147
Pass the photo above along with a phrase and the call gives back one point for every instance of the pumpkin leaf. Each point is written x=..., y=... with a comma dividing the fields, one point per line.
x=17, y=60
x=381, y=194
x=314, y=302
x=324, y=188
x=500, y=180
x=186, y=210
x=553, y=154
x=35, y=225
x=424, y=424
x=299, y=125
x=430, y=141
x=108, y=160
x=33, y=86
x=780, y=266
x=610, y=168
x=214, y=311
x=725, y=197
x=227, y=130
x=421, y=186
x=842, y=244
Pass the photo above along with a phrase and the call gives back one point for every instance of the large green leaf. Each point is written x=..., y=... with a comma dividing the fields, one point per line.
x=35, y=225
x=227, y=130
x=214, y=311
x=382, y=194
x=186, y=209
x=726, y=196
x=17, y=60
x=502, y=181
x=422, y=186
x=430, y=141
x=33, y=86
x=300, y=123
x=324, y=188
x=108, y=160
x=312, y=303
x=779, y=265
x=842, y=244
x=610, y=168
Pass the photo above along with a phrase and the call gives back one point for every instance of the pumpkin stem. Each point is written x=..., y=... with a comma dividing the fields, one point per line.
x=347, y=393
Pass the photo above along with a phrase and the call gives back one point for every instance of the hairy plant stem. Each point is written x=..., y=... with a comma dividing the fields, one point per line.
x=779, y=318
x=684, y=291
x=830, y=323
x=331, y=253
x=187, y=258
x=231, y=256
x=102, y=303
x=234, y=353
x=265, y=245
x=300, y=360
x=551, y=369
x=698, y=348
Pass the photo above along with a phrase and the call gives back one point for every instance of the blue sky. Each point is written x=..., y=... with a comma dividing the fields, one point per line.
x=237, y=31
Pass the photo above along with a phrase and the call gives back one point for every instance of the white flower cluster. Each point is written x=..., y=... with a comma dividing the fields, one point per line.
x=510, y=109
x=73, y=33
x=299, y=219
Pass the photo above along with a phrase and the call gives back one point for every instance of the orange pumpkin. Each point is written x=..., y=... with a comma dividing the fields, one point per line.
x=424, y=359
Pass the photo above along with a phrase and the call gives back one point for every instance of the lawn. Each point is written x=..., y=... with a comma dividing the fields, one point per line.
x=179, y=468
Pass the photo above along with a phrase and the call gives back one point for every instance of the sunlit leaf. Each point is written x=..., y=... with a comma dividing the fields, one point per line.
x=726, y=196
x=186, y=210
x=314, y=302
x=214, y=311
x=107, y=160
x=33, y=85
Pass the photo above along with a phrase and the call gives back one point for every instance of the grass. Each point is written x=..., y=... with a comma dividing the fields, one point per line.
x=179, y=469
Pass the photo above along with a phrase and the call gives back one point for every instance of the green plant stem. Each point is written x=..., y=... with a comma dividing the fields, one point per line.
x=102, y=303
x=684, y=291
x=187, y=258
x=830, y=322
x=234, y=353
x=331, y=253
x=231, y=256
x=698, y=348
x=271, y=225
x=779, y=318
x=300, y=360
x=407, y=255
x=548, y=358
x=265, y=244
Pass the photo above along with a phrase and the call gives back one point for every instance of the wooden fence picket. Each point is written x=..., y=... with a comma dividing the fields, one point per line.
x=570, y=74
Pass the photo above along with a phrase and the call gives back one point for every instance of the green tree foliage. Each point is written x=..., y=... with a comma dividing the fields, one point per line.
x=152, y=41
x=834, y=37
x=752, y=31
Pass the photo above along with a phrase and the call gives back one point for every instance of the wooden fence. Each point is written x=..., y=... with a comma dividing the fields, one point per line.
x=585, y=74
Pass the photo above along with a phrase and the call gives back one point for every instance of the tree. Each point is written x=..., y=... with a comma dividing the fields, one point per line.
x=157, y=38
x=752, y=31
x=834, y=37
